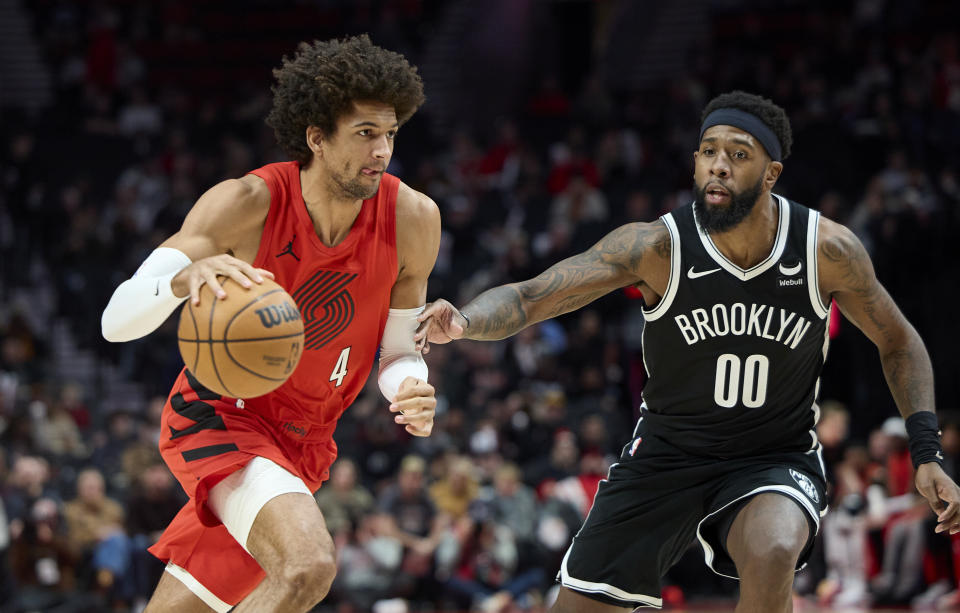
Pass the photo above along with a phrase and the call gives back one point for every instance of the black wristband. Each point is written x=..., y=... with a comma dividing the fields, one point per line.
x=923, y=436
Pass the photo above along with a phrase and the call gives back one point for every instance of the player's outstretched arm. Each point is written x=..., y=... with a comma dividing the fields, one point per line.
x=623, y=257
x=225, y=221
x=847, y=274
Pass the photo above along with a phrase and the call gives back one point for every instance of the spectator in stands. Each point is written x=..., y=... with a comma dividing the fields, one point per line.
x=457, y=489
x=109, y=447
x=847, y=525
x=154, y=502
x=578, y=490
x=368, y=561
x=29, y=482
x=901, y=575
x=42, y=561
x=560, y=464
x=512, y=503
x=343, y=501
x=477, y=563
x=95, y=531
x=57, y=433
x=72, y=401
x=412, y=519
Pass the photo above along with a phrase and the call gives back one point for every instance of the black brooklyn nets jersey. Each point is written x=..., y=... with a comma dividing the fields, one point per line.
x=733, y=355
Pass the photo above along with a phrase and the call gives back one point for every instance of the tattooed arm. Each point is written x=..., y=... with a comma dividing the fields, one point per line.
x=633, y=253
x=847, y=275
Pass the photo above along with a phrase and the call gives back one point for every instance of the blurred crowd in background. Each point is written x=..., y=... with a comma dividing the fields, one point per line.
x=548, y=123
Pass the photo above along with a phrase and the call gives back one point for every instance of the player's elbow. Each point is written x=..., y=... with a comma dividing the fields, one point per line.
x=114, y=336
x=114, y=328
x=111, y=332
x=899, y=340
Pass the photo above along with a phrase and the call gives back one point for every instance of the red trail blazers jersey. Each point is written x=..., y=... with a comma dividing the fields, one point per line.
x=343, y=293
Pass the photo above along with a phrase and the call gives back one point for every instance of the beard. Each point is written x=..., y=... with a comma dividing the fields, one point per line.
x=722, y=218
x=356, y=188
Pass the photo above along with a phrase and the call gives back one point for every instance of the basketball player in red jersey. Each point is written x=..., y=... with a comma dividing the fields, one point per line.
x=353, y=246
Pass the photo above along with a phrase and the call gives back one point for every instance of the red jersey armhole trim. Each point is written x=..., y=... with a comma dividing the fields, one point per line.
x=270, y=176
x=389, y=221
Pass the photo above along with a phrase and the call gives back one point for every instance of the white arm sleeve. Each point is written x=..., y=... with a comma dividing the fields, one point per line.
x=399, y=357
x=143, y=302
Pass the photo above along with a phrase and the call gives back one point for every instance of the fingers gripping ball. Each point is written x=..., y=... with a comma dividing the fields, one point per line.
x=243, y=346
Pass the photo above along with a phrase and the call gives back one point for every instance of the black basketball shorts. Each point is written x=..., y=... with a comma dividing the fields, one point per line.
x=657, y=499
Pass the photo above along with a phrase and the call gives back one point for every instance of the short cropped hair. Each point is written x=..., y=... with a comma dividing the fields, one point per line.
x=322, y=80
x=766, y=110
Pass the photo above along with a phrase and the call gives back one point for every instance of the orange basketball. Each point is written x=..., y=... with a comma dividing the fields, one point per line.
x=243, y=346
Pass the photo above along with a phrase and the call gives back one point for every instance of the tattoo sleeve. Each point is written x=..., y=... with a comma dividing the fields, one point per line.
x=909, y=374
x=863, y=300
x=612, y=263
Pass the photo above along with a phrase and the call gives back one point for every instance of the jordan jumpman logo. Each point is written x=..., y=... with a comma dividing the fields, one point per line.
x=288, y=250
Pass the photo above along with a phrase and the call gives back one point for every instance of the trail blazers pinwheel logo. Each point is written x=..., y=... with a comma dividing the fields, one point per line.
x=326, y=306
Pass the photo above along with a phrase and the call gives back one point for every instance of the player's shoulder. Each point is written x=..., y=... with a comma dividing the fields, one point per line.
x=251, y=191
x=415, y=210
x=415, y=204
x=642, y=248
x=641, y=237
x=836, y=241
x=229, y=210
x=656, y=229
x=842, y=261
x=244, y=195
x=418, y=230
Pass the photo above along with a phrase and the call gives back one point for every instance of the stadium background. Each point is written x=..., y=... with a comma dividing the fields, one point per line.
x=548, y=122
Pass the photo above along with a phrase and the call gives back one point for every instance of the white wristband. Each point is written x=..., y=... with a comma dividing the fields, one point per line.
x=140, y=304
x=399, y=357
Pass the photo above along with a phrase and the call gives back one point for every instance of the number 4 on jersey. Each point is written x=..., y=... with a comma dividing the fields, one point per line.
x=340, y=370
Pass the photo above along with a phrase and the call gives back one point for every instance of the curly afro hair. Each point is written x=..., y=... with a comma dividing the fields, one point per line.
x=768, y=112
x=322, y=80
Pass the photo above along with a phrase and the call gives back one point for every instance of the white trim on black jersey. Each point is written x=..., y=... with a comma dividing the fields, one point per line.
x=823, y=471
x=579, y=585
x=664, y=305
x=813, y=274
x=779, y=243
x=791, y=492
x=815, y=444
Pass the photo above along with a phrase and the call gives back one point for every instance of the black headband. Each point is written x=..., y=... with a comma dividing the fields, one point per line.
x=747, y=122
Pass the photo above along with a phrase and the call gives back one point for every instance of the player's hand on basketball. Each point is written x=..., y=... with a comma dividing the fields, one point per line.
x=414, y=406
x=942, y=494
x=207, y=270
x=440, y=322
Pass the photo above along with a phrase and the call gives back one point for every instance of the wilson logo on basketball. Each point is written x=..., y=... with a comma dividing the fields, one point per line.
x=326, y=306
x=275, y=314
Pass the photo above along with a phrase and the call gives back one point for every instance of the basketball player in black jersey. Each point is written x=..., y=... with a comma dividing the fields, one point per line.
x=737, y=288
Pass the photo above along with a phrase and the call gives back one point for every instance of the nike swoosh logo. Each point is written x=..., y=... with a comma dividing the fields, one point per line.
x=790, y=270
x=940, y=456
x=156, y=292
x=693, y=274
